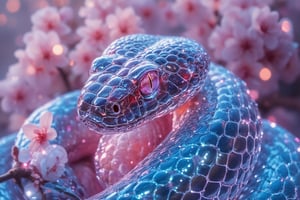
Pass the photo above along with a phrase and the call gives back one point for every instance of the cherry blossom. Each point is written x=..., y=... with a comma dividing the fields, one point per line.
x=190, y=10
x=66, y=14
x=50, y=162
x=39, y=136
x=16, y=96
x=228, y=5
x=95, y=33
x=266, y=24
x=49, y=19
x=82, y=56
x=244, y=45
x=217, y=40
x=45, y=49
x=149, y=12
x=200, y=32
x=123, y=22
x=99, y=9
x=247, y=71
x=279, y=57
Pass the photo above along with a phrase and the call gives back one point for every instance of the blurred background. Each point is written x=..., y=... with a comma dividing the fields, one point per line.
x=15, y=21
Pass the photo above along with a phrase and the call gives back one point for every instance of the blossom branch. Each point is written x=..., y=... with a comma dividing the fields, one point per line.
x=17, y=173
x=64, y=77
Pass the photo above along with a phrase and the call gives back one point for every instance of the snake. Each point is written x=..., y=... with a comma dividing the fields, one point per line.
x=213, y=144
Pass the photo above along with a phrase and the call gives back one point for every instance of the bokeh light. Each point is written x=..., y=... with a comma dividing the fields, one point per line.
x=3, y=19
x=13, y=6
x=286, y=26
x=58, y=49
x=265, y=74
x=253, y=94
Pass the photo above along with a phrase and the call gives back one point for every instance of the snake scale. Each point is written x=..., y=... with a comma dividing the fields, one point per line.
x=217, y=148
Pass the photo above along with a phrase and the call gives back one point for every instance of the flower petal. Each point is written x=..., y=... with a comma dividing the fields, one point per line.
x=29, y=130
x=46, y=119
x=24, y=155
x=51, y=133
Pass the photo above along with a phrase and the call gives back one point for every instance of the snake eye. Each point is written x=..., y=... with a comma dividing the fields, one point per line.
x=149, y=83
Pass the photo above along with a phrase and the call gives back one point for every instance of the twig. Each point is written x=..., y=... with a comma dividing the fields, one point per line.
x=16, y=173
x=64, y=78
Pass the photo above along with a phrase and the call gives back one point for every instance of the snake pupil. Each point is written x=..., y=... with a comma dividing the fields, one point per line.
x=150, y=81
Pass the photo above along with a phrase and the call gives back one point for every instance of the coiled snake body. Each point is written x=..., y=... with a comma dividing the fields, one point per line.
x=218, y=147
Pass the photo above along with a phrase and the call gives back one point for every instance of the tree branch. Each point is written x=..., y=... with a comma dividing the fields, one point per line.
x=64, y=77
x=16, y=173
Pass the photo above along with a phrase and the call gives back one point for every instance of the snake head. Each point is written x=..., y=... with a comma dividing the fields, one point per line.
x=120, y=96
x=135, y=81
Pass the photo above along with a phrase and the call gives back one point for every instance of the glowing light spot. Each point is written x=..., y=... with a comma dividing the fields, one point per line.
x=253, y=94
x=265, y=74
x=298, y=149
x=89, y=4
x=273, y=124
x=3, y=19
x=286, y=26
x=13, y=6
x=58, y=49
x=28, y=193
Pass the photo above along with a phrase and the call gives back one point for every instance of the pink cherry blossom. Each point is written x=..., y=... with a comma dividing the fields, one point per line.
x=41, y=48
x=66, y=14
x=201, y=31
x=217, y=40
x=16, y=96
x=82, y=56
x=95, y=32
x=244, y=45
x=228, y=5
x=150, y=12
x=279, y=57
x=50, y=162
x=266, y=24
x=237, y=17
x=249, y=71
x=123, y=22
x=49, y=19
x=39, y=136
x=99, y=9
x=213, y=4
x=191, y=10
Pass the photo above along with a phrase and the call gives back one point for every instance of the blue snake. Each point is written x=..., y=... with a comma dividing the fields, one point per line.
x=218, y=148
